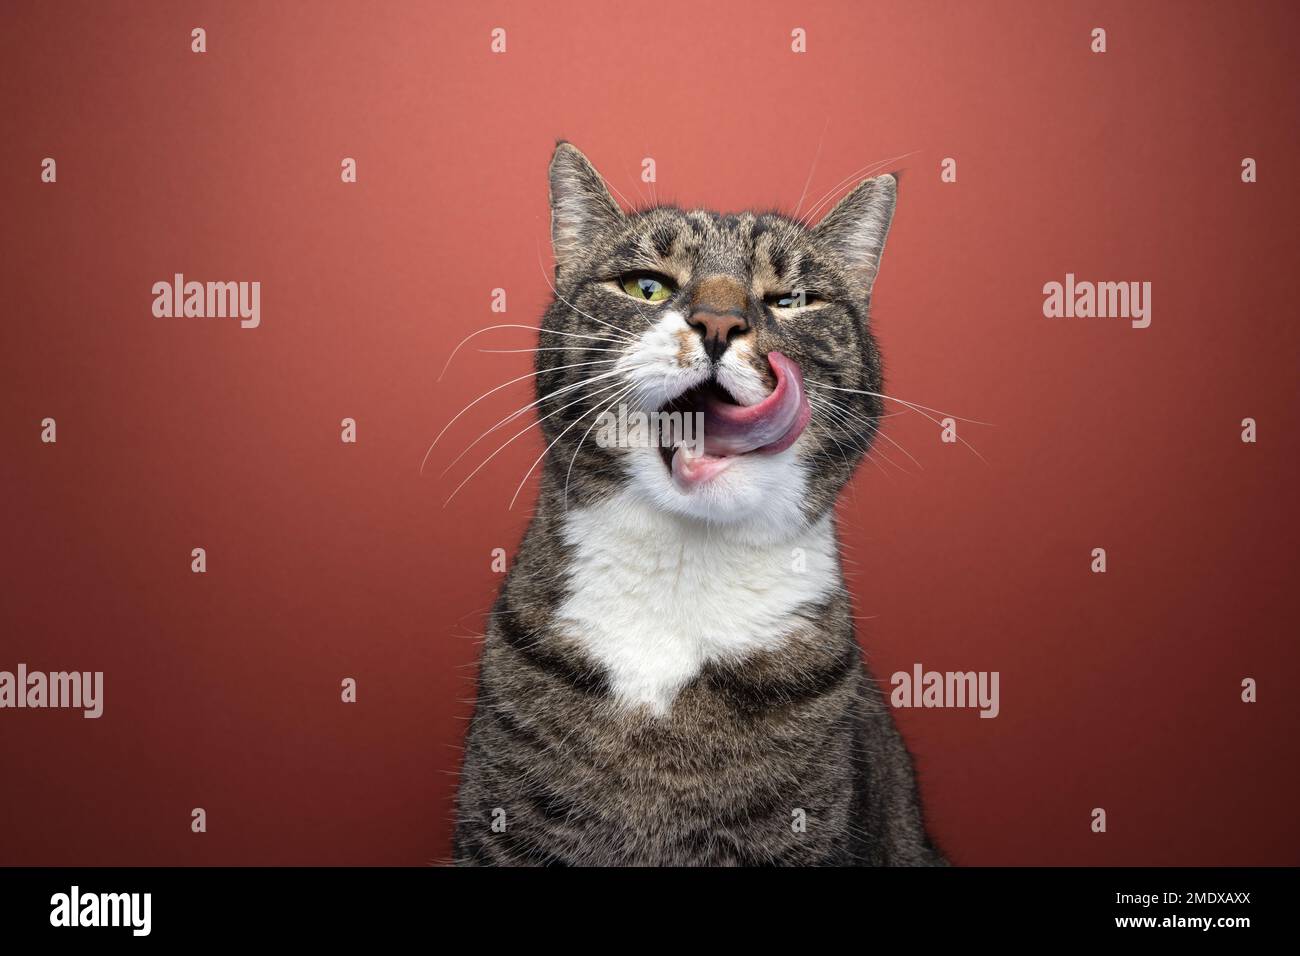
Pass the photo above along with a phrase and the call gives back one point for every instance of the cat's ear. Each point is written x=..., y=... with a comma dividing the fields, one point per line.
x=581, y=205
x=856, y=228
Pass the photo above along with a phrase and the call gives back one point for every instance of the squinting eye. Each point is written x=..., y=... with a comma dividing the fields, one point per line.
x=647, y=288
x=792, y=300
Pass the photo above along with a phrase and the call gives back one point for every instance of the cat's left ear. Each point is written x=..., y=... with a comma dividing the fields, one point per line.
x=581, y=205
x=856, y=228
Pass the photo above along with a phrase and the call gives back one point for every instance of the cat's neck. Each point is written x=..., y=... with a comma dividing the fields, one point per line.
x=654, y=597
x=625, y=519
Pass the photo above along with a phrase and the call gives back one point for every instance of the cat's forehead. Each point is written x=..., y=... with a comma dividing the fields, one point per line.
x=724, y=242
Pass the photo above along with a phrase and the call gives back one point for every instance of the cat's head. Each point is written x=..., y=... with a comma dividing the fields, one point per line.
x=755, y=320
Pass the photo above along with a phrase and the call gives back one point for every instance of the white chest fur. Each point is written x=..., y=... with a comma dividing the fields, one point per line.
x=654, y=597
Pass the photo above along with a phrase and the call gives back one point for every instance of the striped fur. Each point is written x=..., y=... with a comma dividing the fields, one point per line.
x=656, y=687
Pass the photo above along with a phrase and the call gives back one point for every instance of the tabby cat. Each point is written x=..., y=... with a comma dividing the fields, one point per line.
x=670, y=674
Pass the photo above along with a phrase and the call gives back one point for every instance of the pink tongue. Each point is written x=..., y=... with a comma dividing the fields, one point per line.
x=772, y=425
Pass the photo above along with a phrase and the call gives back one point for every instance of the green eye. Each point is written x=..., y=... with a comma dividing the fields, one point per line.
x=647, y=288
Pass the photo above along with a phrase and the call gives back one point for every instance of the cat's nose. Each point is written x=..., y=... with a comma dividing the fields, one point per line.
x=716, y=329
x=718, y=305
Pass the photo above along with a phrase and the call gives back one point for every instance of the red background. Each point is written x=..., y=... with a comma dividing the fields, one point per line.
x=328, y=560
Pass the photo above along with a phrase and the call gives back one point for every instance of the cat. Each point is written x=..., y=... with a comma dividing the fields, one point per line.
x=670, y=674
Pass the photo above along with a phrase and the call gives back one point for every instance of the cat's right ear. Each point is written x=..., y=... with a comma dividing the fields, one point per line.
x=856, y=228
x=581, y=205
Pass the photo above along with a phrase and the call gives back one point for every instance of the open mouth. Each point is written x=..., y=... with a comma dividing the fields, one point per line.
x=731, y=431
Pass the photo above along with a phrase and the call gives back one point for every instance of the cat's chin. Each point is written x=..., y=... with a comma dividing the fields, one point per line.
x=759, y=496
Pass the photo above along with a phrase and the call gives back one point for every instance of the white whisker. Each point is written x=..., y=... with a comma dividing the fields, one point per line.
x=557, y=348
x=534, y=328
x=522, y=431
x=919, y=409
x=594, y=423
x=532, y=374
x=816, y=156
x=566, y=430
x=533, y=404
x=623, y=198
x=862, y=173
x=622, y=333
x=839, y=413
x=913, y=405
x=847, y=414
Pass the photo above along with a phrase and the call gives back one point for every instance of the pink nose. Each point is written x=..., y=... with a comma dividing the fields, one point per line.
x=716, y=328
